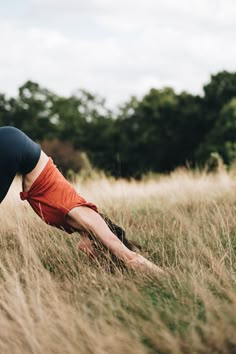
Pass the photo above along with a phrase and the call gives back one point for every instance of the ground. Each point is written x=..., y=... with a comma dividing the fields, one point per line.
x=54, y=300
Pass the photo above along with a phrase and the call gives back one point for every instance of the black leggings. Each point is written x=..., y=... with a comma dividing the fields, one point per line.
x=18, y=154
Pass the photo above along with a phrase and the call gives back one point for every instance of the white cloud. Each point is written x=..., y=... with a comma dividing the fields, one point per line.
x=215, y=11
x=117, y=48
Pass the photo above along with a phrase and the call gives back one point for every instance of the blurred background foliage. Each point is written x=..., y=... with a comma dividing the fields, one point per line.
x=159, y=132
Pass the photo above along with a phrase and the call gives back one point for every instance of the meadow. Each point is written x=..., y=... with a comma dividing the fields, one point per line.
x=55, y=300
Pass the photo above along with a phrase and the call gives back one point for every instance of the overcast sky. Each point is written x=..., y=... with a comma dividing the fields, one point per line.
x=116, y=48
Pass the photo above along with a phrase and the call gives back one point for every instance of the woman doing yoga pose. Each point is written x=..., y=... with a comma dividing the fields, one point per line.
x=55, y=200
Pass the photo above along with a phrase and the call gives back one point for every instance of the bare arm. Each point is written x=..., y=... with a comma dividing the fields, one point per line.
x=87, y=220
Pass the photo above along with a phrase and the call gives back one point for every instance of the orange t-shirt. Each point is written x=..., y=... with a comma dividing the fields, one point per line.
x=52, y=197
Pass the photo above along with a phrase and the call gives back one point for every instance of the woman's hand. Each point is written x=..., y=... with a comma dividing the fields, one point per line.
x=139, y=262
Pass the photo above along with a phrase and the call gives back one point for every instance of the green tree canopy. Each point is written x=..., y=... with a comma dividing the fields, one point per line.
x=158, y=132
x=222, y=138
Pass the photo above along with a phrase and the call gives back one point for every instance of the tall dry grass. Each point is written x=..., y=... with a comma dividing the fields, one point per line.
x=54, y=300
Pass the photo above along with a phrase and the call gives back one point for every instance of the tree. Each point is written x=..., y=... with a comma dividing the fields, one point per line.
x=5, y=111
x=31, y=111
x=220, y=90
x=160, y=132
x=84, y=120
x=222, y=138
x=218, y=111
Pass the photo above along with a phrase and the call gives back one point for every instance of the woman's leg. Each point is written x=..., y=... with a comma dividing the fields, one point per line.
x=18, y=154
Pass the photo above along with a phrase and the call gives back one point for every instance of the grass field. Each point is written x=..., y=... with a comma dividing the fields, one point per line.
x=54, y=300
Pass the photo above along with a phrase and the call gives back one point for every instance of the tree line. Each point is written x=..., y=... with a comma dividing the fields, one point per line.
x=159, y=132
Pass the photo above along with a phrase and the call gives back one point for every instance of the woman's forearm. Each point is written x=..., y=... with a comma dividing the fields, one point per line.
x=130, y=258
x=91, y=222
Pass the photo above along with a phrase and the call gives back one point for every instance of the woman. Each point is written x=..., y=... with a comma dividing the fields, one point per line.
x=55, y=200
